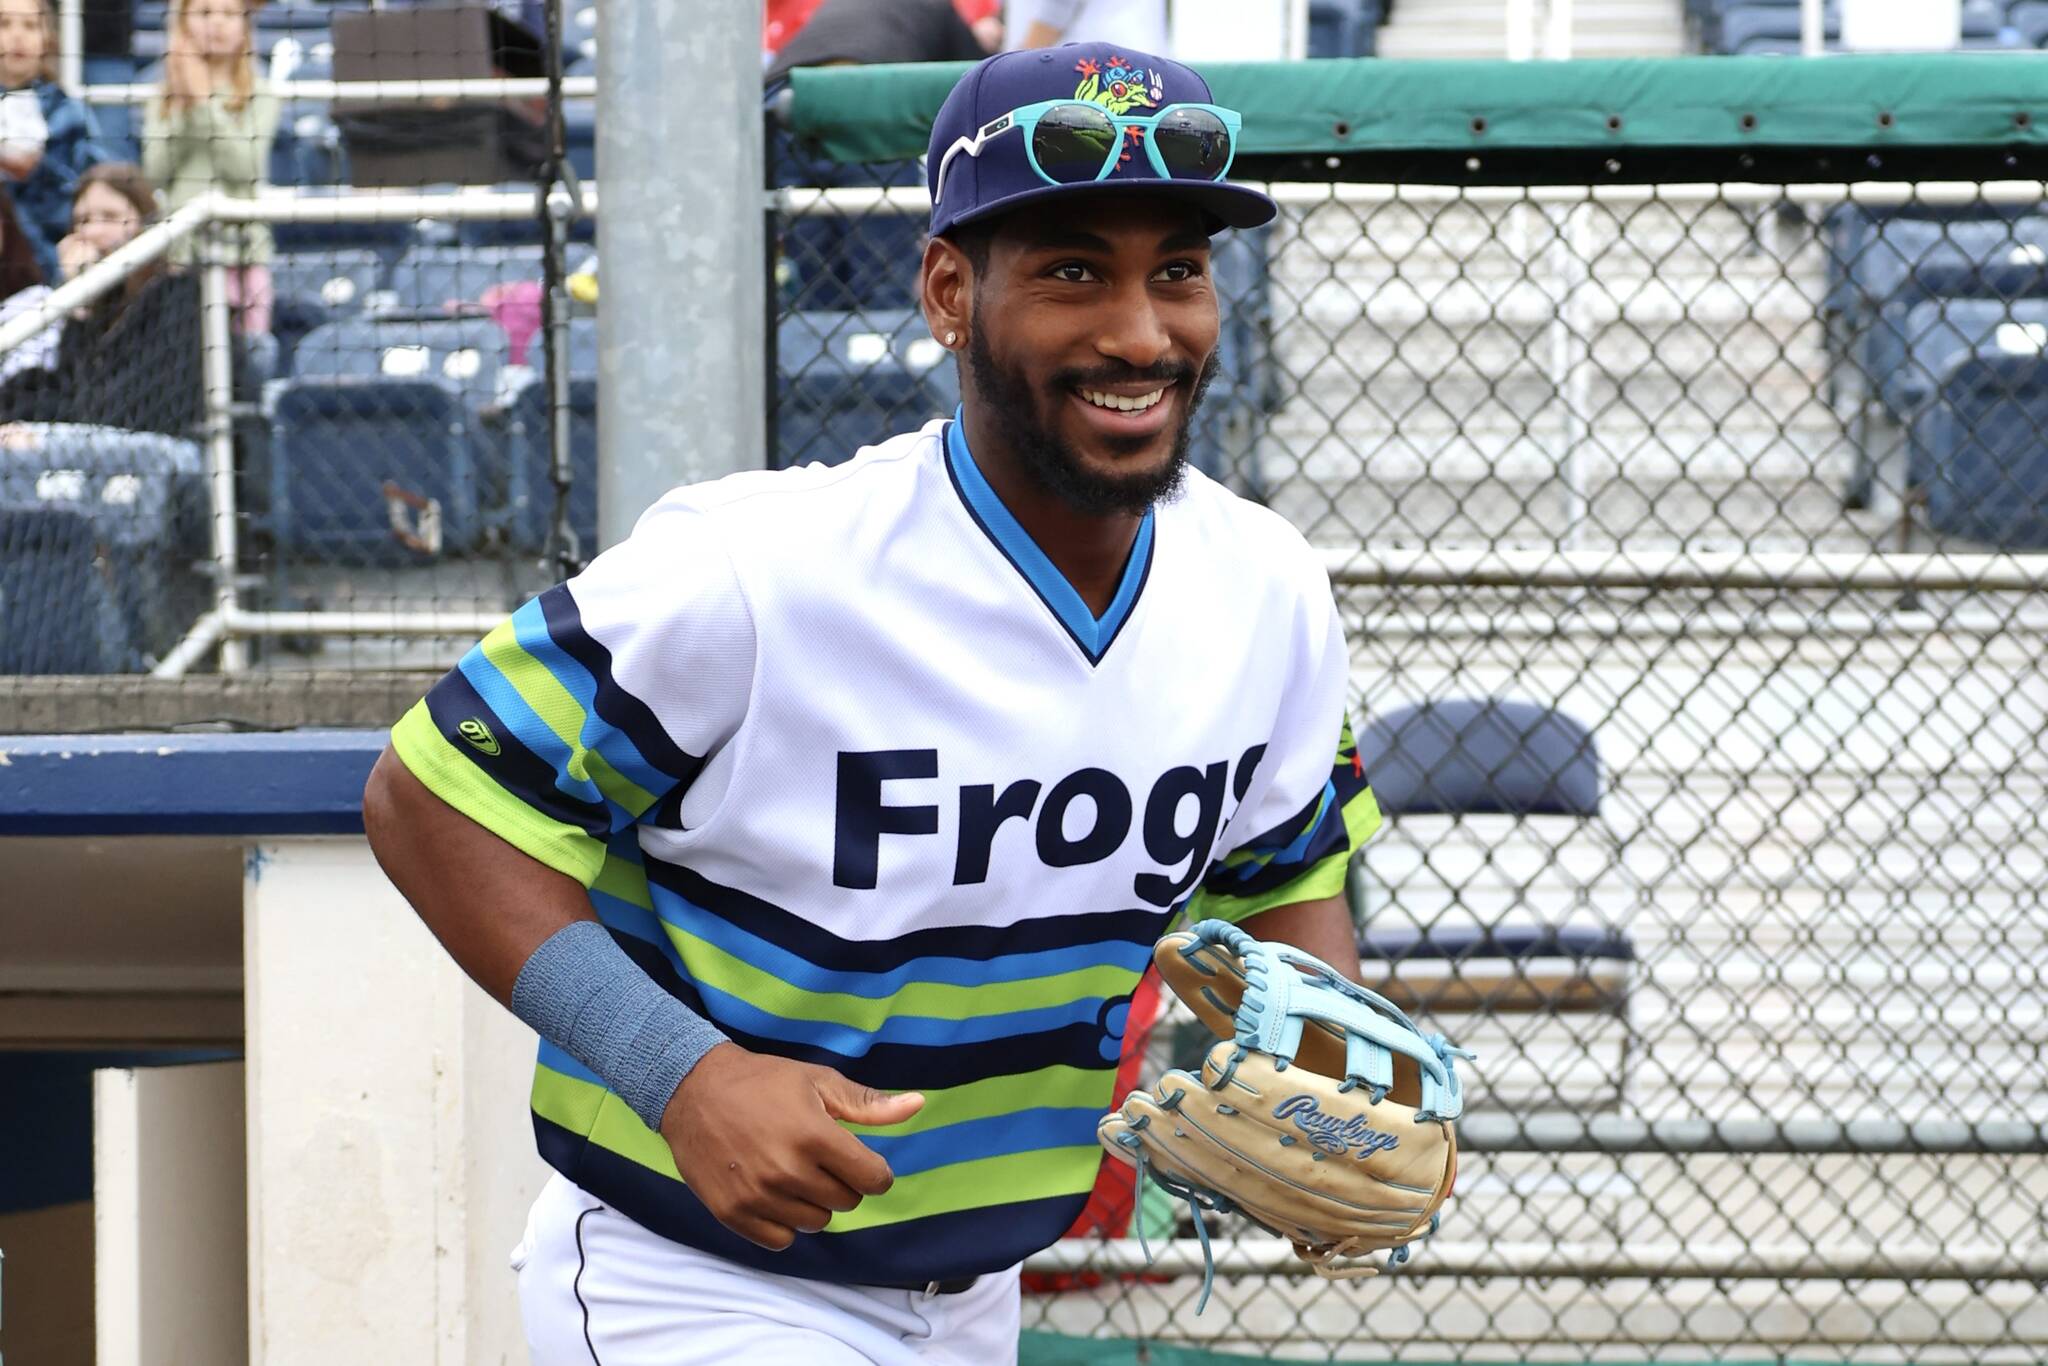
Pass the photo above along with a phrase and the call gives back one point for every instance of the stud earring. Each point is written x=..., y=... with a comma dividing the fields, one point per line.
x=952, y=337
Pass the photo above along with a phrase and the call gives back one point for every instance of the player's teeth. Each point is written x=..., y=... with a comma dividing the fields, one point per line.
x=1122, y=404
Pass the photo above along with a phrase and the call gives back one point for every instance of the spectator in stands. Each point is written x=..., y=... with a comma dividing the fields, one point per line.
x=864, y=32
x=1132, y=23
x=133, y=358
x=211, y=129
x=46, y=136
x=21, y=291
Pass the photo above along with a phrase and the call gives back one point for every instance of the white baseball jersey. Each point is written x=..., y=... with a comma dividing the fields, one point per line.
x=852, y=770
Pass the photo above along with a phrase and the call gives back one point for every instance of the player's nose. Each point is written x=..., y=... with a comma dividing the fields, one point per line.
x=1133, y=330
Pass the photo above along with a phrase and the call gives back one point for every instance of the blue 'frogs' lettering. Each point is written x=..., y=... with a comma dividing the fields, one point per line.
x=1082, y=818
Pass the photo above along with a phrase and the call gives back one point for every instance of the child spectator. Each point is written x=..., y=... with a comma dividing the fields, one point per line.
x=133, y=358
x=211, y=129
x=21, y=291
x=47, y=138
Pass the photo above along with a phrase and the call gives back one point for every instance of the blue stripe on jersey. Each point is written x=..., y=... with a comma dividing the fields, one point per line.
x=1021, y=1131
x=799, y=972
x=619, y=709
x=1093, y=634
x=922, y=1031
x=554, y=1059
x=530, y=629
x=506, y=700
x=964, y=1243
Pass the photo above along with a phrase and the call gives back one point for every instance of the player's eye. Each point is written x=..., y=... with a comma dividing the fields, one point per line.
x=1180, y=272
x=1073, y=272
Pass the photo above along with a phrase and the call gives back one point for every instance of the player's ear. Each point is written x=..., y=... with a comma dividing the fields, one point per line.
x=946, y=292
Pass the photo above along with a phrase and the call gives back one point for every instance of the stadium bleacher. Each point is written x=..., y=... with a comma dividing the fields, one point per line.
x=57, y=613
x=382, y=420
x=1772, y=27
x=1979, y=461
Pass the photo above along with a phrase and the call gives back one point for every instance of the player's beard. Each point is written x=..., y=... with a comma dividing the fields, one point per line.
x=1052, y=464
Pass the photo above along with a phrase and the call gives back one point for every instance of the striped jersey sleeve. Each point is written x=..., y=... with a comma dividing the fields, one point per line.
x=1310, y=812
x=597, y=704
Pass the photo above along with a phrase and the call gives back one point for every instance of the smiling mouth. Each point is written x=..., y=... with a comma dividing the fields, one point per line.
x=1121, y=403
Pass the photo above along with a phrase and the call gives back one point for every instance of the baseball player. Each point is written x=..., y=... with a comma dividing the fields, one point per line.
x=822, y=828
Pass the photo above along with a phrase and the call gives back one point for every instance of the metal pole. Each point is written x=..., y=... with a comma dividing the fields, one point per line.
x=1628, y=567
x=1520, y=18
x=680, y=315
x=1917, y=1261
x=1812, y=28
x=71, y=44
x=1557, y=43
x=220, y=443
x=1564, y=1132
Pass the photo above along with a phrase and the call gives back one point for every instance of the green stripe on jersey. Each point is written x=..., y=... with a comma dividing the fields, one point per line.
x=582, y=1108
x=563, y=715
x=985, y=1181
x=455, y=780
x=1057, y=1087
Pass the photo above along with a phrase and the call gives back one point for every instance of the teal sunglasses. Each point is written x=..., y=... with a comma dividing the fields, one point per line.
x=1071, y=142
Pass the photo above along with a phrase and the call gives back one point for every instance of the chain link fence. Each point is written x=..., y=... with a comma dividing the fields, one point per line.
x=331, y=410
x=1687, y=536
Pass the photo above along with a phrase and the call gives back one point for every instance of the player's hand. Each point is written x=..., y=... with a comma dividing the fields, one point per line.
x=757, y=1138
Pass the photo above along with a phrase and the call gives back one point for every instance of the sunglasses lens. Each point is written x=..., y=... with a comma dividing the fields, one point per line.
x=1072, y=142
x=1194, y=144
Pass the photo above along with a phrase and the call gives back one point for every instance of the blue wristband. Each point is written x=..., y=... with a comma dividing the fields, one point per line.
x=583, y=994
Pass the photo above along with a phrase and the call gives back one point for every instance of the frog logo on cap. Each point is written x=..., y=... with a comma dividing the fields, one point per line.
x=1117, y=85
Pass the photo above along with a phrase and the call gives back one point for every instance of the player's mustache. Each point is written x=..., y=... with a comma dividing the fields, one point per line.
x=1163, y=373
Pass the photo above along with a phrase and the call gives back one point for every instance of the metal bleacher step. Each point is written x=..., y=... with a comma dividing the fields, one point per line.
x=1478, y=29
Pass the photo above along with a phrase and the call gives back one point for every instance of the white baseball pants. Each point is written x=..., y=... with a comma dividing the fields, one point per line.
x=596, y=1289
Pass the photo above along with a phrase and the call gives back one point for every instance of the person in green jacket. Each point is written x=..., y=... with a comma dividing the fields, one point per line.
x=211, y=129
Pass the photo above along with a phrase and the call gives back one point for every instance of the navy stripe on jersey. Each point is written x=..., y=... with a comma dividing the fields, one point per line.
x=919, y=1067
x=517, y=769
x=941, y=1247
x=807, y=940
x=619, y=709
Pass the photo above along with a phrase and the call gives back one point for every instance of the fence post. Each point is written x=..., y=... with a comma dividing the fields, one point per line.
x=680, y=237
x=218, y=361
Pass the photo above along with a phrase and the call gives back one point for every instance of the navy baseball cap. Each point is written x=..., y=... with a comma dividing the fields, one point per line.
x=1000, y=176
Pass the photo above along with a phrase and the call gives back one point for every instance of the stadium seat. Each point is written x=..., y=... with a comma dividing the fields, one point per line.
x=1752, y=29
x=1481, y=755
x=531, y=508
x=316, y=288
x=1980, y=458
x=444, y=281
x=847, y=380
x=379, y=448
x=2029, y=19
x=1343, y=28
x=1895, y=262
x=57, y=610
x=307, y=149
x=144, y=497
x=1490, y=756
x=119, y=124
x=1937, y=333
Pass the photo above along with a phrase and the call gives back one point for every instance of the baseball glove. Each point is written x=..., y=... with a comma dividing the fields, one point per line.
x=1324, y=1114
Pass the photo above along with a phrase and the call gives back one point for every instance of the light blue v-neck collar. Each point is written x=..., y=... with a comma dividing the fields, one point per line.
x=1092, y=633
